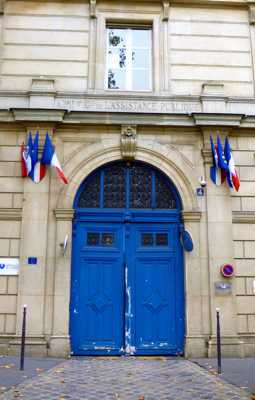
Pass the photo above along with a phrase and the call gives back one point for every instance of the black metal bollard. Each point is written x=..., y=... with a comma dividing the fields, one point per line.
x=218, y=340
x=23, y=338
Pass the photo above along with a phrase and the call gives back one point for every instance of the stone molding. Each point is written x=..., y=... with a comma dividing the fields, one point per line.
x=30, y=339
x=207, y=156
x=252, y=14
x=186, y=110
x=115, y=118
x=232, y=346
x=93, y=6
x=217, y=119
x=10, y=214
x=213, y=89
x=166, y=7
x=6, y=116
x=128, y=119
x=64, y=214
x=166, y=158
x=42, y=86
x=128, y=142
x=210, y=109
x=243, y=217
x=38, y=115
x=191, y=216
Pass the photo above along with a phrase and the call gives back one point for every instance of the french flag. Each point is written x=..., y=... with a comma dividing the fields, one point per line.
x=38, y=170
x=215, y=171
x=26, y=162
x=222, y=162
x=232, y=176
x=49, y=157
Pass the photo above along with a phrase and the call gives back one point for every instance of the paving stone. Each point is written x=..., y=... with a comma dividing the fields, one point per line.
x=125, y=379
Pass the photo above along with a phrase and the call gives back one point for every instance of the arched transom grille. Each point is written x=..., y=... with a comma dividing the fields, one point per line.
x=126, y=185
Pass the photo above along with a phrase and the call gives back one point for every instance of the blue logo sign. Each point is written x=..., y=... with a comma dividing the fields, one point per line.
x=32, y=260
x=2, y=266
x=200, y=192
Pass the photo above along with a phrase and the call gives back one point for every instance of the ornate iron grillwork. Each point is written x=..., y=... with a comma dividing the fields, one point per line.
x=164, y=196
x=125, y=185
x=114, y=190
x=90, y=197
x=140, y=187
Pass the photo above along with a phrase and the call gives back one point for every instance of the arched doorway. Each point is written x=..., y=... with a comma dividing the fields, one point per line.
x=127, y=286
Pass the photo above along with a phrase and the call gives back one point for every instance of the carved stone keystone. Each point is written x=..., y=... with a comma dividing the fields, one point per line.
x=166, y=6
x=93, y=5
x=128, y=142
x=252, y=14
x=2, y=6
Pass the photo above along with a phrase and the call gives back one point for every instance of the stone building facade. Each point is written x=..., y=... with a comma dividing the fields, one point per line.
x=54, y=79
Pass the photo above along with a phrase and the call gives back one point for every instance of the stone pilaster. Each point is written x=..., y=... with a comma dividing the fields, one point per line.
x=33, y=244
x=252, y=33
x=220, y=251
x=59, y=340
x=196, y=289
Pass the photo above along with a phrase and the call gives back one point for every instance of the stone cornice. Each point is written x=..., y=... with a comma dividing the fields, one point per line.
x=10, y=214
x=191, y=216
x=6, y=116
x=131, y=118
x=217, y=119
x=64, y=214
x=243, y=217
x=202, y=2
x=43, y=115
x=137, y=109
x=128, y=119
x=220, y=107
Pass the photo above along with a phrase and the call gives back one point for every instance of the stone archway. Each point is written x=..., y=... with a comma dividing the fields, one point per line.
x=167, y=159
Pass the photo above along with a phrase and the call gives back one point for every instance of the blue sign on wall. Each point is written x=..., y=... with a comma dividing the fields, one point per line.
x=200, y=192
x=9, y=266
x=32, y=260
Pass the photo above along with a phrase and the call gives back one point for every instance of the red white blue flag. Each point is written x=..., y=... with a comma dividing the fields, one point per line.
x=232, y=175
x=38, y=170
x=223, y=165
x=215, y=171
x=49, y=157
x=30, y=165
x=26, y=162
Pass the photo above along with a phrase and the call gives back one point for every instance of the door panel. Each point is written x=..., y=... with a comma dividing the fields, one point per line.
x=155, y=277
x=98, y=286
x=154, y=307
x=127, y=289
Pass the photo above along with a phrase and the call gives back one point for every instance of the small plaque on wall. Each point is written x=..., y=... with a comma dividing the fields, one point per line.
x=223, y=288
x=32, y=260
x=200, y=192
x=9, y=266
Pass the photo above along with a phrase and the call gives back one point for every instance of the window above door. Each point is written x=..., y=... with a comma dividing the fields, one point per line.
x=129, y=59
x=122, y=185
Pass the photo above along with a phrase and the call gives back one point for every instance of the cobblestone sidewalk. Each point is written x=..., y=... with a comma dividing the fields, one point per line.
x=125, y=379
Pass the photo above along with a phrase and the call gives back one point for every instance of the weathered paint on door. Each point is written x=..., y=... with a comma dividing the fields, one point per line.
x=127, y=294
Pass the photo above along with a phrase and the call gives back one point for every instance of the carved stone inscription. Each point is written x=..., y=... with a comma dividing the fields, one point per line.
x=128, y=106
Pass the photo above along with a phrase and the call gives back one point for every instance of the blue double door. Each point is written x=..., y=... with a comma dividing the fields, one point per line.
x=127, y=294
